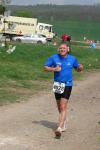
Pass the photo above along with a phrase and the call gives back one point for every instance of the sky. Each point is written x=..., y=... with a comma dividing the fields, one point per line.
x=58, y=2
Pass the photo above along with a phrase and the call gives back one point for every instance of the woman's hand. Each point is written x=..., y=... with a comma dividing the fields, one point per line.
x=58, y=68
x=80, y=68
x=52, y=69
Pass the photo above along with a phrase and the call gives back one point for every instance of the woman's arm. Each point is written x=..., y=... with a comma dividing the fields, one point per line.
x=52, y=69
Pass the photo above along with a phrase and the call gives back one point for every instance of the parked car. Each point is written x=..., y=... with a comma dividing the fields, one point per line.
x=29, y=38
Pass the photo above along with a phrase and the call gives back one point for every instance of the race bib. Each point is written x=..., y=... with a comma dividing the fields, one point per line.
x=58, y=87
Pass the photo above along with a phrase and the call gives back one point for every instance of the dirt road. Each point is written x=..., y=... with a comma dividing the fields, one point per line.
x=30, y=125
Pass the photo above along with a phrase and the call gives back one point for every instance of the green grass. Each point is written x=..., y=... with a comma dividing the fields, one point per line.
x=90, y=58
x=25, y=63
x=22, y=75
x=21, y=72
x=78, y=29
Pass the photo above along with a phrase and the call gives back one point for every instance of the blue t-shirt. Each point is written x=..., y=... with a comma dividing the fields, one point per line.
x=67, y=64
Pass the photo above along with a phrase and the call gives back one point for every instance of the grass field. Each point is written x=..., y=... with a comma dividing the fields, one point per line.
x=21, y=72
x=76, y=20
x=78, y=29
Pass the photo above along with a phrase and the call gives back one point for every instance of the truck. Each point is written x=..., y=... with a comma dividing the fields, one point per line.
x=17, y=26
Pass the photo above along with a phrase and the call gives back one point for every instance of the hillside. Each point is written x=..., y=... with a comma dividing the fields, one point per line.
x=21, y=72
x=77, y=21
x=52, y=12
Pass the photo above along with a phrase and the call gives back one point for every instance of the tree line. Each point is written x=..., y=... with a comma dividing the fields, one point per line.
x=57, y=12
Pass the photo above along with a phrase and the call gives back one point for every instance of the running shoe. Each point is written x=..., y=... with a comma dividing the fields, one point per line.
x=64, y=128
x=58, y=132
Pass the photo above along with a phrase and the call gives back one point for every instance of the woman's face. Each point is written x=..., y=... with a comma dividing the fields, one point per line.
x=63, y=50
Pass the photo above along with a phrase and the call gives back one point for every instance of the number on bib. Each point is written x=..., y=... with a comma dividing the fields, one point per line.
x=58, y=87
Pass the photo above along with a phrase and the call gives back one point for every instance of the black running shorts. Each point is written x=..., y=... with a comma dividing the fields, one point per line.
x=66, y=94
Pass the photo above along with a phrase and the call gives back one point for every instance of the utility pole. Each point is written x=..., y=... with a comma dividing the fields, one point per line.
x=4, y=32
x=4, y=3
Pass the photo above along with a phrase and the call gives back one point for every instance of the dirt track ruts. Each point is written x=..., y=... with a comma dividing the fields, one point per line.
x=30, y=125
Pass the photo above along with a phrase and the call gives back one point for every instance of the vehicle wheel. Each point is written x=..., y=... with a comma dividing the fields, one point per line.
x=39, y=42
x=49, y=40
x=18, y=40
